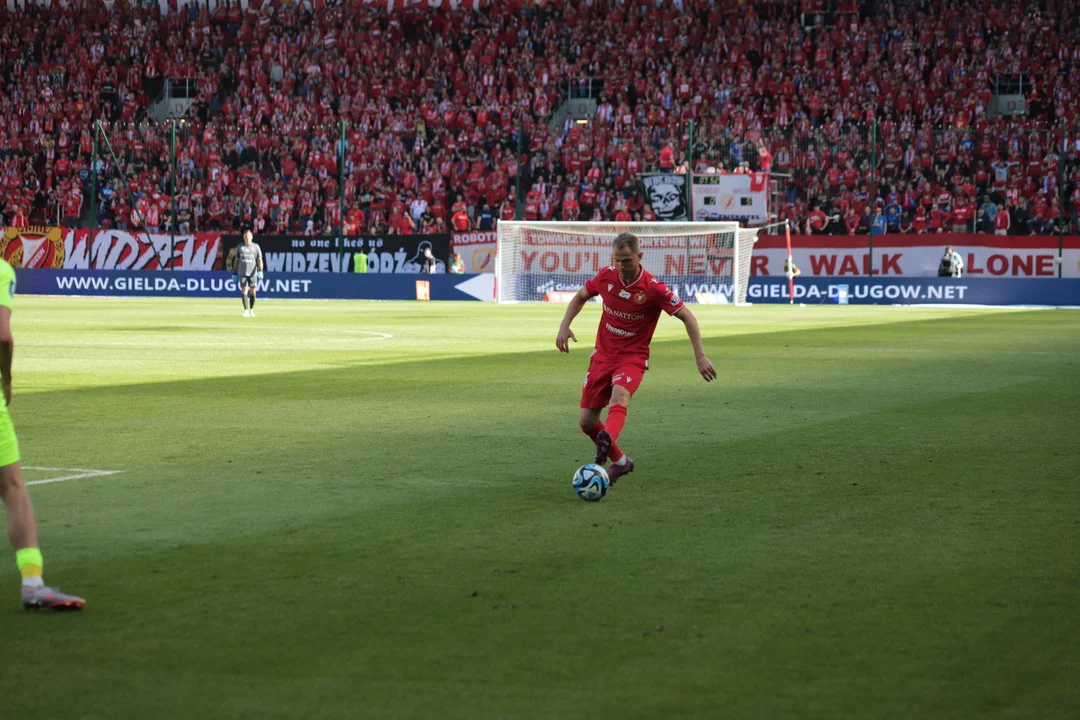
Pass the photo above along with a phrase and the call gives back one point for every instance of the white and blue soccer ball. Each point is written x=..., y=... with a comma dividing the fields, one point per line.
x=591, y=482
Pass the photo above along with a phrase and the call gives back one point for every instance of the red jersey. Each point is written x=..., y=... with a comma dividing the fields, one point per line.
x=631, y=311
x=667, y=159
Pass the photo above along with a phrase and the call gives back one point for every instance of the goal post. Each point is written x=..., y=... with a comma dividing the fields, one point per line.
x=539, y=261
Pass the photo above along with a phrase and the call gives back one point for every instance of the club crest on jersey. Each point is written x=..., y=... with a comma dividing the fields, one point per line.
x=639, y=298
x=624, y=294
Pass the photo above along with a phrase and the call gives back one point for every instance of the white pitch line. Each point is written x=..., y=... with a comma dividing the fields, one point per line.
x=368, y=336
x=940, y=350
x=222, y=344
x=80, y=473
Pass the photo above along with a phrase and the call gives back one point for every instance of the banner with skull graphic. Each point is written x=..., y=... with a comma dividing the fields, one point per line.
x=665, y=193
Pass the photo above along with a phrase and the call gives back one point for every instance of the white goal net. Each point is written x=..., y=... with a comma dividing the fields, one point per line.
x=539, y=261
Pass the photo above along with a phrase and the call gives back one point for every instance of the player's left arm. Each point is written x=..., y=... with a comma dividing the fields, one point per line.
x=693, y=331
x=259, y=262
x=7, y=352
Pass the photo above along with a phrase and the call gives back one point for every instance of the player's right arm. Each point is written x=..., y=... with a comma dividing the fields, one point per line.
x=572, y=310
x=591, y=290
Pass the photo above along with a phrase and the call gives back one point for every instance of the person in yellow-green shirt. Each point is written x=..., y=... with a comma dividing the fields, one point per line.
x=21, y=523
x=457, y=266
x=360, y=261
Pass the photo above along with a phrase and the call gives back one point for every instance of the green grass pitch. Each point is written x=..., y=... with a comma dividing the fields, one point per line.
x=364, y=510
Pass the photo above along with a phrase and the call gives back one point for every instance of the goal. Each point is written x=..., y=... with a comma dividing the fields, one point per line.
x=549, y=260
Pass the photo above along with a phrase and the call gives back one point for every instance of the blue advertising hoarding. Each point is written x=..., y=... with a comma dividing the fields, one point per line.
x=865, y=291
x=311, y=286
x=860, y=290
x=919, y=291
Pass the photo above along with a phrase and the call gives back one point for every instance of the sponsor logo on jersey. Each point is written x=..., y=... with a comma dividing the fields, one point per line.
x=624, y=294
x=609, y=287
x=624, y=315
x=619, y=331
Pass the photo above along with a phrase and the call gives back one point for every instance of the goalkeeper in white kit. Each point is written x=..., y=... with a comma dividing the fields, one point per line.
x=247, y=269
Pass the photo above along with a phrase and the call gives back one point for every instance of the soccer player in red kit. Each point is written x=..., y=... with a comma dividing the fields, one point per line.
x=633, y=300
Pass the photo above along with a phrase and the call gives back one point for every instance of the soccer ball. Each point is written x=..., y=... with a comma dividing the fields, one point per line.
x=591, y=482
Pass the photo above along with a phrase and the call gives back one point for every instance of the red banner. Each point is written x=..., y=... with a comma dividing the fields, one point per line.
x=121, y=250
x=918, y=255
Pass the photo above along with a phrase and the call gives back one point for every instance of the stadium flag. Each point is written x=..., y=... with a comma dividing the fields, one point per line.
x=33, y=247
x=666, y=195
x=790, y=263
x=55, y=247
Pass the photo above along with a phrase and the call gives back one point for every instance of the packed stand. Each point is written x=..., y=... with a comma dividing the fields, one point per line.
x=433, y=102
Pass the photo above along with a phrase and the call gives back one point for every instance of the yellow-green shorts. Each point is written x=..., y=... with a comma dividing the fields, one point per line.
x=9, y=444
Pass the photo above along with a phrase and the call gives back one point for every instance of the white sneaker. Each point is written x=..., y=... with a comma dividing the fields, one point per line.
x=252, y=311
x=247, y=313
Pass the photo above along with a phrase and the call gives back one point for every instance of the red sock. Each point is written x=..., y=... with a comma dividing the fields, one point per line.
x=595, y=429
x=616, y=418
x=616, y=454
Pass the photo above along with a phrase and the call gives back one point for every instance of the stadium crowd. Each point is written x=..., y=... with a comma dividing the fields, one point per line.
x=436, y=104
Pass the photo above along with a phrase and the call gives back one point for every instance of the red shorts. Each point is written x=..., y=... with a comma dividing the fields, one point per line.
x=604, y=375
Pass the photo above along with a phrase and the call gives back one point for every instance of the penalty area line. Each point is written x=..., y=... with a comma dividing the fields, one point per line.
x=74, y=474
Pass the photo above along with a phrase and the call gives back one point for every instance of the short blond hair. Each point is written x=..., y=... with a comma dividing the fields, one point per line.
x=627, y=240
